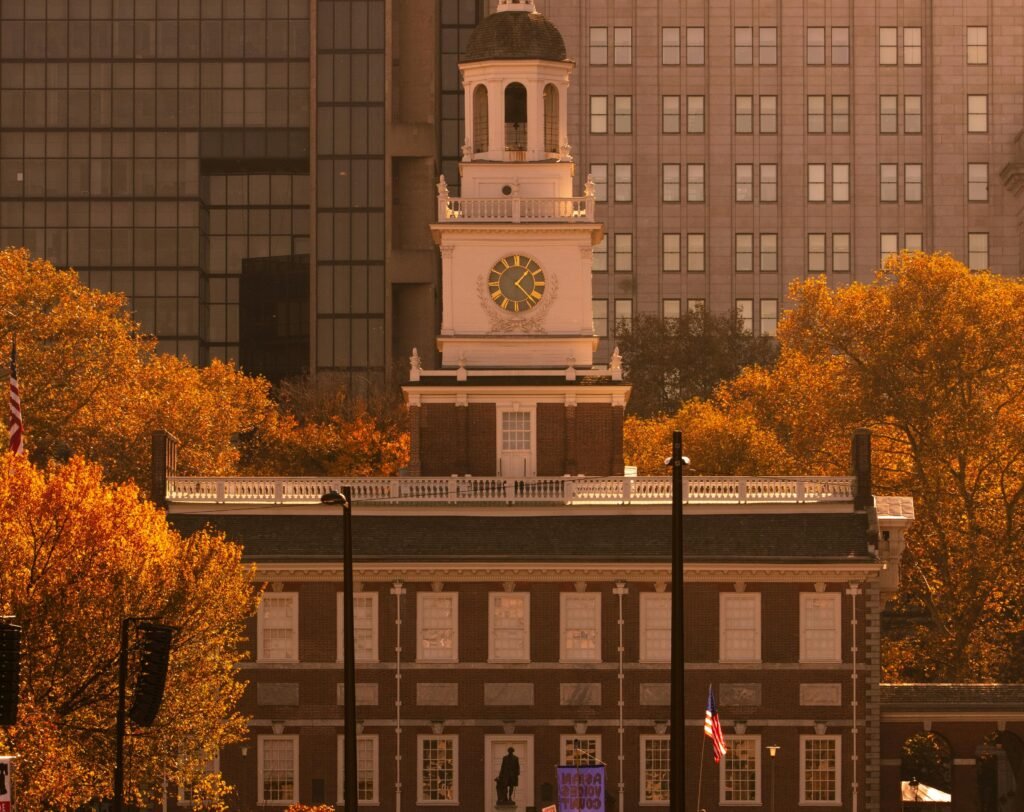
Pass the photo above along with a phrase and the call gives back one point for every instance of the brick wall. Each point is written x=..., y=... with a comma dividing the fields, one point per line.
x=594, y=439
x=550, y=439
x=438, y=439
x=482, y=441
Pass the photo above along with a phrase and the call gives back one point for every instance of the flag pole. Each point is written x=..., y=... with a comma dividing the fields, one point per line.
x=700, y=774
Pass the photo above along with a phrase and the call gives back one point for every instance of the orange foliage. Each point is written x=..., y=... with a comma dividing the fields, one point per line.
x=80, y=555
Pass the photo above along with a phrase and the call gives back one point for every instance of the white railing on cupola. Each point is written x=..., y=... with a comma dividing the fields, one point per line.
x=515, y=209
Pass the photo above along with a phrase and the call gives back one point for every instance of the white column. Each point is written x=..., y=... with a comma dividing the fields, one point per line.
x=496, y=119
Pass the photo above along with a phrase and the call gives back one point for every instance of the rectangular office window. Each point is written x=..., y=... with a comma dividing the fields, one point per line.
x=623, y=114
x=840, y=183
x=977, y=45
x=655, y=627
x=819, y=769
x=669, y=46
x=598, y=45
x=695, y=307
x=744, y=114
x=815, y=253
x=437, y=627
x=769, y=317
x=769, y=114
x=671, y=309
x=624, y=253
x=840, y=253
x=581, y=627
x=367, y=769
x=598, y=114
x=977, y=182
x=840, y=114
x=623, y=46
x=278, y=763
x=671, y=253
x=912, y=183
x=670, y=183
x=695, y=183
x=744, y=183
x=769, y=191
x=977, y=251
x=277, y=627
x=739, y=612
x=820, y=631
x=670, y=114
x=740, y=775
x=599, y=174
x=840, y=45
x=437, y=769
x=509, y=627
x=911, y=45
x=623, y=183
x=912, y=114
x=694, y=114
x=815, y=114
x=816, y=183
x=888, y=50
x=365, y=607
x=580, y=750
x=654, y=769
x=623, y=315
x=600, y=308
x=743, y=45
x=889, y=246
x=888, y=182
x=769, y=253
x=694, y=46
x=600, y=254
x=913, y=242
x=745, y=317
x=744, y=253
x=767, y=45
x=816, y=46
x=888, y=107
x=977, y=114
x=695, y=262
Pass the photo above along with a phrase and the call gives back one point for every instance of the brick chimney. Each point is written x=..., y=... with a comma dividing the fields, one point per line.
x=861, y=458
x=164, y=464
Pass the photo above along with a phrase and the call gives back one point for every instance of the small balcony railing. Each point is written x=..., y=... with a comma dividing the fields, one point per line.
x=516, y=209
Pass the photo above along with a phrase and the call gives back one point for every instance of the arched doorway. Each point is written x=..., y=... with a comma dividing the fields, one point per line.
x=1000, y=771
x=926, y=773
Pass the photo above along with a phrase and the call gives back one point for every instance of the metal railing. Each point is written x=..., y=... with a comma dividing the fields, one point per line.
x=468, y=490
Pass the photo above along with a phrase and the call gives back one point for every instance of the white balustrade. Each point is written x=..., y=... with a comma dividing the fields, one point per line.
x=516, y=209
x=509, y=490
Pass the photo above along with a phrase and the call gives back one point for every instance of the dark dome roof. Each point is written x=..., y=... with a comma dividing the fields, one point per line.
x=515, y=35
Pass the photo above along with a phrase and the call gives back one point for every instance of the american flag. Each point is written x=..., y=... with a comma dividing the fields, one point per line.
x=15, y=428
x=713, y=728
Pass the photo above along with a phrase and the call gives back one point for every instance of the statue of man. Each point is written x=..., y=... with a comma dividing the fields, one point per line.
x=508, y=777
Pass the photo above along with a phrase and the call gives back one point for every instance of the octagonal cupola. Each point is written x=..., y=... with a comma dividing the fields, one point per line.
x=515, y=75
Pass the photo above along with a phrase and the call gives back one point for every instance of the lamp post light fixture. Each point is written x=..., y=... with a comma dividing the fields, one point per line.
x=677, y=717
x=344, y=499
x=773, y=751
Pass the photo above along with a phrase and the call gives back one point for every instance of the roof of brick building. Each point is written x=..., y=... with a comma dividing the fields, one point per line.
x=939, y=696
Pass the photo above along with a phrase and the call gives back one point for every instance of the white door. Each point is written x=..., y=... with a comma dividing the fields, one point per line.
x=496, y=748
x=516, y=444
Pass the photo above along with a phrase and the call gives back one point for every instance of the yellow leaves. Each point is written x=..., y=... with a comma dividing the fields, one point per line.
x=80, y=556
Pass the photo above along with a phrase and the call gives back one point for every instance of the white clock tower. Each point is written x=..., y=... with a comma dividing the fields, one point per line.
x=518, y=394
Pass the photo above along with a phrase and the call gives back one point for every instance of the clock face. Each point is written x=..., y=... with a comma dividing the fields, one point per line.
x=516, y=283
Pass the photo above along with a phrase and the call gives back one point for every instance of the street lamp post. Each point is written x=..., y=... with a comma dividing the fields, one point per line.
x=344, y=499
x=773, y=751
x=677, y=761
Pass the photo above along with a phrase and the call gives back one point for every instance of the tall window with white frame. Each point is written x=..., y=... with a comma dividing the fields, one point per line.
x=278, y=763
x=365, y=623
x=509, y=633
x=437, y=769
x=277, y=627
x=655, y=627
x=739, y=614
x=820, y=627
x=654, y=769
x=437, y=627
x=977, y=251
x=581, y=627
x=367, y=769
x=819, y=770
x=580, y=749
x=740, y=771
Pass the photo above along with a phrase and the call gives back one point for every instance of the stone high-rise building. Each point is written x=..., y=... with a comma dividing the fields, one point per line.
x=197, y=154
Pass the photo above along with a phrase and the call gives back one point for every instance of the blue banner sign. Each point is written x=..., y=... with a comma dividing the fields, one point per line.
x=581, y=788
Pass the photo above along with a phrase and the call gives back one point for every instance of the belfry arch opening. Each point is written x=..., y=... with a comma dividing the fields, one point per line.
x=551, y=122
x=481, y=136
x=515, y=117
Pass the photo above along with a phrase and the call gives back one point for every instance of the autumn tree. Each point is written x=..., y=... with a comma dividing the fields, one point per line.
x=80, y=555
x=927, y=357
x=668, y=361
x=91, y=384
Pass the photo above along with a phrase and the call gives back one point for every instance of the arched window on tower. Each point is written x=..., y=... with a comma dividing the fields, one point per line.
x=515, y=118
x=481, y=140
x=550, y=118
